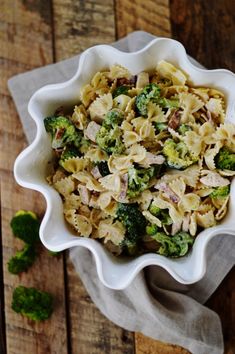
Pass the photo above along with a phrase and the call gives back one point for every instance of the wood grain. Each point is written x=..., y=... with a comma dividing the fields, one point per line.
x=206, y=32
x=82, y=24
x=205, y=28
x=145, y=345
x=79, y=25
x=152, y=16
x=25, y=42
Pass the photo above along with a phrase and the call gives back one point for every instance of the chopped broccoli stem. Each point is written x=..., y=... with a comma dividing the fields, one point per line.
x=161, y=126
x=25, y=225
x=154, y=209
x=138, y=180
x=62, y=132
x=177, y=155
x=225, y=160
x=103, y=168
x=121, y=90
x=173, y=246
x=161, y=214
x=168, y=103
x=35, y=304
x=151, y=229
x=220, y=192
x=134, y=222
x=22, y=260
x=183, y=128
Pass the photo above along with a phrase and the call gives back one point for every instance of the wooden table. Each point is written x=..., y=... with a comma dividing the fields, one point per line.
x=39, y=32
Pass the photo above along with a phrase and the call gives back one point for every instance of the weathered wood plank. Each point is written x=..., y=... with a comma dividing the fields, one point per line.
x=79, y=25
x=82, y=24
x=206, y=29
x=151, y=16
x=223, y=302
x=208, y=36
x=25, y=43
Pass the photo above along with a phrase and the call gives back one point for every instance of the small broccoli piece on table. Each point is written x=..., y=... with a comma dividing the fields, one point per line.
x=225, y=160
x=138, y=180
x=103, y=168
x=173, y=246
x=220, y=192
x=178, y=155
x=135, y=224
x=68, y=153
x=109, y=136
x=22, y=260
x=121, y=90
x=150, y=93
x=35, y=304
x=25, y=225
x=62, y=132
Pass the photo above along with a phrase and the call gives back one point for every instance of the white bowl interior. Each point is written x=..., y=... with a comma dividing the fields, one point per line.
x=33, y=164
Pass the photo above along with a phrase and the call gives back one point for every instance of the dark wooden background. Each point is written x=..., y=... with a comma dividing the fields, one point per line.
x=36, y=33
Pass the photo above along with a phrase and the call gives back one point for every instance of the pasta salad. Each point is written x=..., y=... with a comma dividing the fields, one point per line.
x=143, y=163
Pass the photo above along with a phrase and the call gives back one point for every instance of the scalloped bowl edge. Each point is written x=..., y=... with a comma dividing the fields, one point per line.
x=31, y=166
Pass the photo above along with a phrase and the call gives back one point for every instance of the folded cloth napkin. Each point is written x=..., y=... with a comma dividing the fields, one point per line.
x=163, y=309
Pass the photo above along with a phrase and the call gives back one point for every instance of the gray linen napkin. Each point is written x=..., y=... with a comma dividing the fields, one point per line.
x=163, y=309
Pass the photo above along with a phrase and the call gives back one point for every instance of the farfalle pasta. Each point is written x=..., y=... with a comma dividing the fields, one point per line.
x=143, y=163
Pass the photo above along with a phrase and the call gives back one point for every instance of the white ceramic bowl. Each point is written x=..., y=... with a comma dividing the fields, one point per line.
x=31, y=166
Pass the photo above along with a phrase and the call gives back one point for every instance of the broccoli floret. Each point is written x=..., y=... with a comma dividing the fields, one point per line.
x=109, y=140
x=173, y=246
x=25, y=225
x=32, y=303
x=178, y=155
x=154, y=209
x=138, y=180
x=68, y=153
x=22, y=260
x=62, y=132
x=109, y=136
x=161, y=126
x=183, y=128
x=113, y=118
x=151, y=229
x=220, y=192
x=151, y=92
x=161, y=214
x=225, y=160
x=103, y=168
x=121, y=90
x=135, y=224
x=168, y=103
